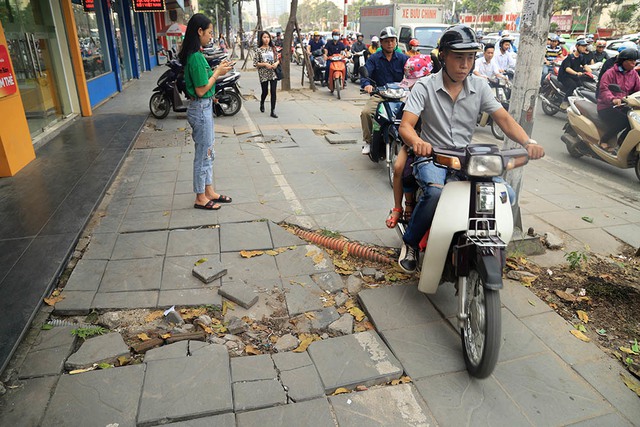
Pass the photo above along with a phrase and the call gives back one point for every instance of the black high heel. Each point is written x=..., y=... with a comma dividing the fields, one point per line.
x=262, y=107
x=274, y=115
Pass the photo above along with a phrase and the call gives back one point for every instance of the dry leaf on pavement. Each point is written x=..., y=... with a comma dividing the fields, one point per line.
x=357, y=313
x=304, y=343
x=627, y=350
x=340, y=390
x=576, y=333
x=143, y=337
x=583, y=316
x=252, y=350
x=249, y=254
x=153, y=316
x=566, y=296
x=631, y=383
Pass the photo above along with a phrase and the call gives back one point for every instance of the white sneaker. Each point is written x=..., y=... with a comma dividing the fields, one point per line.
x=366, y=149
x=564, y=105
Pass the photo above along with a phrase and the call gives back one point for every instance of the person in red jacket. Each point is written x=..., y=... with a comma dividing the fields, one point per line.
x=624, y=75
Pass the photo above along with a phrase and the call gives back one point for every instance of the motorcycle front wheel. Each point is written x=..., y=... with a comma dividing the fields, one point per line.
x=159, y=105
x=337, y=84
x=482, y=328
x=232, y=106
x=394, y=149
x=497, y=131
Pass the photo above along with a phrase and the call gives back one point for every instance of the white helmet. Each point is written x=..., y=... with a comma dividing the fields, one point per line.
x=375, y=39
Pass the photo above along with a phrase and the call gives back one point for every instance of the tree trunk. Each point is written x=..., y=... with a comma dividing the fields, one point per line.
x=259, y=25
x=286, y=50
x=534, y=26
x=240, y=30
x=227, y=21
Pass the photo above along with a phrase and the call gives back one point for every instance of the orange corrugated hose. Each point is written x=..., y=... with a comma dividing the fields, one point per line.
x=353, y=248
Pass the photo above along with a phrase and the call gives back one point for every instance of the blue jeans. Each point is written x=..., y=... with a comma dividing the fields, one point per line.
x=431, y=178
x=546, y=69
x=200, y=117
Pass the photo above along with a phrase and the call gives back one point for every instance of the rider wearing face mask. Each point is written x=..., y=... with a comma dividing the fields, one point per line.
x=413, y=48
x=333, y=47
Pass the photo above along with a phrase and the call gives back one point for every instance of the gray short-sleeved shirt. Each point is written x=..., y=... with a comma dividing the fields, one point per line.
x=446, y=124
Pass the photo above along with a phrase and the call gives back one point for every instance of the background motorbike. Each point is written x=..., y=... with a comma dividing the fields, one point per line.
x=297, y=55
x=466, y=245
x=318, y=64
x=337, y=73
x=552, y=92
x=584, y=129
x=502, y=90
x=354, y=64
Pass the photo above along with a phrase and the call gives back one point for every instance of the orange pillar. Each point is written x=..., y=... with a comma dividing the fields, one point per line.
x=16, y=146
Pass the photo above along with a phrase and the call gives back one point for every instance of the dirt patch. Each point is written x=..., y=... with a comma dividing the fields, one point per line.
x=600, y=296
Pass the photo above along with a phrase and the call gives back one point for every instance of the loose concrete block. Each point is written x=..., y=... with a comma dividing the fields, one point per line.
x=25, y=405
x=209, y=270
x=311, y=413
x=329, y=282
x=343, y=325
x=324, y=318
x=253, y=368
x=302, y=383
x=257, y=394
x=239, y=292
x=105, y=348
x=170, y=351
x=48, y=353
x=289, y=360
x=286, y=343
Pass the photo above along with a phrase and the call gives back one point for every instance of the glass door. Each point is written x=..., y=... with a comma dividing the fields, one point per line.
x=121, y=45
x=32, y=43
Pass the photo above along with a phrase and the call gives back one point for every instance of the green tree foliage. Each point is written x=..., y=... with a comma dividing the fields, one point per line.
x=319, y=15
x=353, y=10
x=283, y=19
x=626, y=18
x=581, y=6
x=478, y=7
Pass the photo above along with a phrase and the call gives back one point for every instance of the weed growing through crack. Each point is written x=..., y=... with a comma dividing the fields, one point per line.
x=88, y=332
x=576, y=259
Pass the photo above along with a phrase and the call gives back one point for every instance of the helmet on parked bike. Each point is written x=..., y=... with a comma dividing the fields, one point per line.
x=414, y=42
x=388, y=32
x=626, y=55
x=459, y=38
x=416, y=67
x=627, y=45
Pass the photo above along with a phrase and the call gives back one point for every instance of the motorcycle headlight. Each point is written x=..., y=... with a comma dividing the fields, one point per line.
x=488, y=165
x=485, y=198
x=396, y=93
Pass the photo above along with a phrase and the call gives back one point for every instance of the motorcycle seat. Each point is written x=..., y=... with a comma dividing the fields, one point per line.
x=591, y=96
x=590, y=110
x=557, y=82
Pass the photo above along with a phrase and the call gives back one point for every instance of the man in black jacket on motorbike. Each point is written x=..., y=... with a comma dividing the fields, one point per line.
x=572, y=71
x=448, y=104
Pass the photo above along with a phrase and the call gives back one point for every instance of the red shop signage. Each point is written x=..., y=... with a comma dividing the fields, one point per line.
x=8, y=84
x=149, y=5
x=89, y=5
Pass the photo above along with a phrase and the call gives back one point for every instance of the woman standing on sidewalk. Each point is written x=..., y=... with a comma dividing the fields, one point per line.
x=200, y=81
x=265, y=59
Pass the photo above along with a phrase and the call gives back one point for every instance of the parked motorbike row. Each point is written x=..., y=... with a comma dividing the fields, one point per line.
x=170, y=91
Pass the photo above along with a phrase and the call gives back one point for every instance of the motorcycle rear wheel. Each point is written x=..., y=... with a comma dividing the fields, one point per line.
x=482, y=328
x=549, y=109
x=638, y=167
x=159, y=105
x=233, y=106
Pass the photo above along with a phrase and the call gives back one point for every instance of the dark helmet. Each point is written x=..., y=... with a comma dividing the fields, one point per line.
x=388, y=32
x=581, y=42
x=359, y=35
x=627, y=54
x=459, y=38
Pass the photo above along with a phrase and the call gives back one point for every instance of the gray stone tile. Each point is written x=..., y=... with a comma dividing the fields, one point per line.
x=235, y=237
x=170, y=351
x=48, y=353
x=160, y=203
x=194, y=297
x=604, y=375
x=97, y=398
x=191, y=217
x=553, y=394
x=122, y=300
x=25, y=405
x=289, y=360
x=613, y=419
x=144, y=221
x=629, y=233
x=177, y=272
x=330, y=281
x=258, y=394
x=239, y=293
x=426, y=350
x=350, y=360
x=520, y=300
x=302, y=383
x=253, y=368
x=311, y=413
x=457, y=399
x=222, y=420
x=260, y=271
x=302, y=295
x=154, y=189
x=296, y=262
x=323, y=318
x=399, y=306
x=209, y=270
x=236, y=213
x=554, y=331
x=75, y=303
x=86, y=275
x=174, y=388
x=517, y=339
x=100, y=246
x=103, y=348
x=132, y=275
x=149, y=178
x=445, y=300
x=281, y=237
x=184, y=187
x=193, y=242
x=140, y=245
x=399, y=405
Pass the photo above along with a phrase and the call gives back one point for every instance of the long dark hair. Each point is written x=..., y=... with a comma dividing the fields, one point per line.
x=191, y=42
x=260, y=34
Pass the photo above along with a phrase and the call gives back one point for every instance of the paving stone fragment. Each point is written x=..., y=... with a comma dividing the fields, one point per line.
x=369, y=272
x=302, y=295
x=302, y=383
x=282, y=238
x=552, y=241
x=351, y=360
x=310, y=413
x=354, y=284
x=48, y=353
x=101, y=349
x=209, y=270
x=341, y=298
x=239, y=292
x=125, y=300
x=343, y=325
x=253, y=368
x=236, y=325
x=323, y=318
x=169, y=351
x=173, y=317
x=110, y=319
x=75, y=303
x=286, y=342
x=197, y=297
x=399, y=405
x=25, y=405
x=519, y=275
x=235, y=237
x=205, y=319
x=330, y=281
x=96, y=398
x=296, y=262
x=289, y=360
x=177, y=388
x=257, y=394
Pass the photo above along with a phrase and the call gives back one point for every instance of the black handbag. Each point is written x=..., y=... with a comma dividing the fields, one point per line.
x=278, y=71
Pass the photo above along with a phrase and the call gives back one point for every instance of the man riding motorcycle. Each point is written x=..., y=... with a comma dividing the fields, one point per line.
x=600, y=55
x=413, y=48
x=448, y=104
x=551, y=55
x=375, y=44
x=359, y=46
x=572, y=71
x=385, y=66
x=504, y=57
x=333, y=46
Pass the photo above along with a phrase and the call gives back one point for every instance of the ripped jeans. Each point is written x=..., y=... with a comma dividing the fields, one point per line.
x=431, y=179
x=200, y=117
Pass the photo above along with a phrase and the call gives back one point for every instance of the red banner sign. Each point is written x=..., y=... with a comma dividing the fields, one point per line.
x=8, y=84
x=89, y=5
x=149, y=5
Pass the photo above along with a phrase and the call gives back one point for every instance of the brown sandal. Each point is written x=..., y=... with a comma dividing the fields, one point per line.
x=392, y=219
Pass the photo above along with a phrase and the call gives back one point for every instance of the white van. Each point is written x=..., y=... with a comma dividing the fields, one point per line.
x=427, y=35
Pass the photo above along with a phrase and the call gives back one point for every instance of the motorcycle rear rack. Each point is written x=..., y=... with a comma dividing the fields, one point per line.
x=483, y=232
